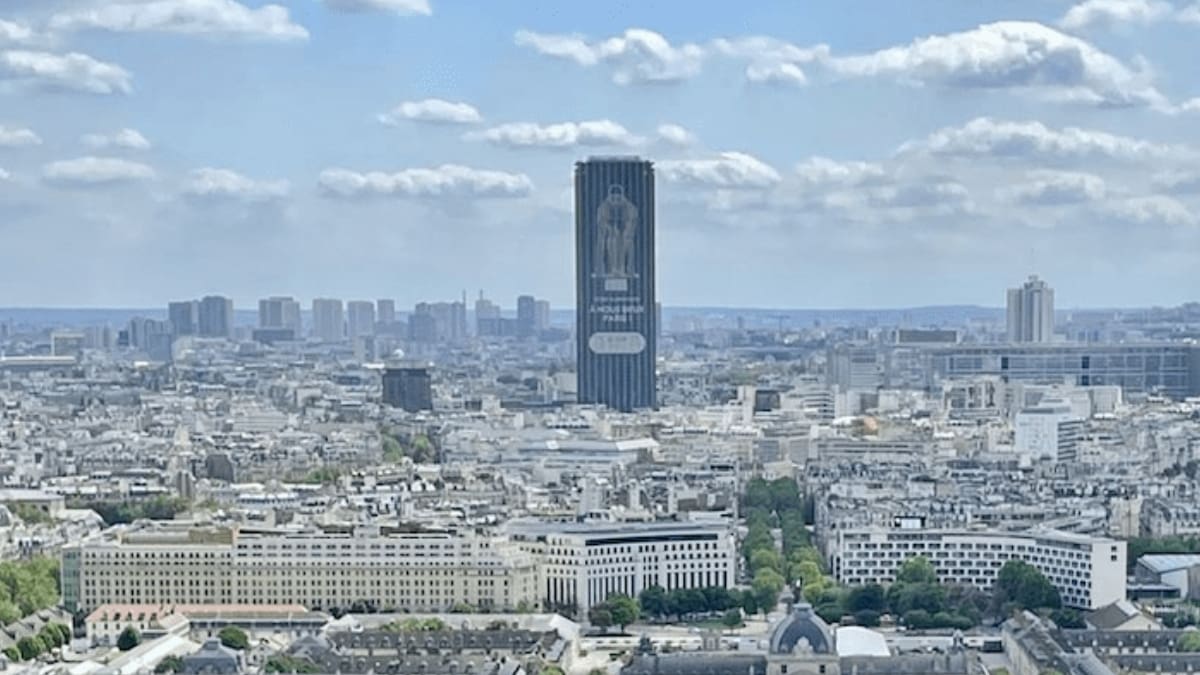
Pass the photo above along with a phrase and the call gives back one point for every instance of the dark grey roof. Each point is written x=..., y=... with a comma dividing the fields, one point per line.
x=802, y=624
x=697, y=664
x=212, y=657
x=907, y=664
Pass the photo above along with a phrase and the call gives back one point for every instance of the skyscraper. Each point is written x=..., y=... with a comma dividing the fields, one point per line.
x=526, y=316
x=328, y=320
x=408, y=387
x=360, y=319
x=541, y=315
x=1031, y=312
x=183, y=317
x=385, y=311
x=215, y=317
x=279, y=312
x=614, y=282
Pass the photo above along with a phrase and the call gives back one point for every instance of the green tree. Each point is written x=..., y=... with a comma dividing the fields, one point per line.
x=766, y=558
x=653, y=600
x=234, y=638
x=732, y=619
x=916, y=570
x=50, y=636
x=1189, y=641
x=128, y=639
x=393, y=452
x=600, y=616
x=285, y=664
x=766, y=585
x=1067, y=618
x=551, y=670
x=1020, y=585
x=30, y=648
x=868, y=597
x=30, y=514
x=624, y=609
x=12, y=654
x=170, y=664
x=749, y=602
x=866, y=617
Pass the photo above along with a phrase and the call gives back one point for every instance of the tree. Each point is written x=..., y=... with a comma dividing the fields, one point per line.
x=624, y=609
x=1188, y=642
x=30, y=648
x=653, y=600
x=916, y=570
x=12, y=654
x=1020, y=585
x=285, y=664
x=170, y=664
x=868, y=597
x=551, y=670
x=1067, y=618
x=600, y=617
x=749, y=602
x=732, y=619
x=765, y=558
x=128, y=639
x=766, y=585
x=234, y=638
x=918, y=618
x=50, y=636
x=866, y=617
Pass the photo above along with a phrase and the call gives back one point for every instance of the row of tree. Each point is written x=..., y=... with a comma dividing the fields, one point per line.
x=27, y=586
x=51, y=636
x=778, y=503
x=160, y=507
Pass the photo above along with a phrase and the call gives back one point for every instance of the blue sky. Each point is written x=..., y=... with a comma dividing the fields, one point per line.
x=815, y=154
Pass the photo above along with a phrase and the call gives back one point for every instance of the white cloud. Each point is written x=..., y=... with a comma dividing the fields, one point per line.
x=4, y=175
x=934, y=193
x=95, y=171
x=1177, y=182
x=72, y=72
x=225, y=184
x=1151, y=210
x=1011, y=54
x=822, y=171
x=1189, y=106
x=1189, y=14
x=12, y=33
x=11, y=137
x=637, y=56
x=675, y=135
x=405, y=7
x=561, y=135
x=987, y=137
x=124, y=139
x=227, y=18
x=447, y=180
x=1052, y=188
x=727, y=170
x=1115, y=12
x=433, y=110
x=771, y=60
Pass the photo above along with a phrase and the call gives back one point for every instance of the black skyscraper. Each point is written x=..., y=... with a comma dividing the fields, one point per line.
x=616, y=325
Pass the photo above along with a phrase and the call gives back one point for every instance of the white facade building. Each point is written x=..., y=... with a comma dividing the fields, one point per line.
x=1051, y=430
x=1089, y=572
x=1031, y=312
x=320, y=570
x=584, y=563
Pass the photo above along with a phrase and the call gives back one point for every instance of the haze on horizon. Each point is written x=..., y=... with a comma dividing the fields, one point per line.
x=807, y=156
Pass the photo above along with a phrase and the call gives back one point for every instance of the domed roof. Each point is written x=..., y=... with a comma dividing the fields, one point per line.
x=802, y=628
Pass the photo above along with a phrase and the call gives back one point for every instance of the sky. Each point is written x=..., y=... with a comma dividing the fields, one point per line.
x=839, y=154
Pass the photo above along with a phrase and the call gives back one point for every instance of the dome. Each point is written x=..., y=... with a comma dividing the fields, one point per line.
x=802, y=629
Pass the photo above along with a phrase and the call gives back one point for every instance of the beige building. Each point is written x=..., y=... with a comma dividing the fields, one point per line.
x=391, y=570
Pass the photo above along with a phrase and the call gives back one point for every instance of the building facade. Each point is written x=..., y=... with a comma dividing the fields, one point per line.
x=616, y=321
x=582, y=564
x=169, y=565
x=215, y=317
x=360, y=319
x=279, y=312
x=1089, y=572
x=408, y=387
x=183, y=316
x=1031, y=312
x=328, y=320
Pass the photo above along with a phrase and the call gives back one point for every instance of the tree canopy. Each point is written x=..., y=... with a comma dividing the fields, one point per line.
x=1020, y=585
x=128, y=639
x=234, y=638
x=27, y=586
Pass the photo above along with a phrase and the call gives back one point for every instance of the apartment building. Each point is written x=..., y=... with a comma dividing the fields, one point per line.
x=1089, y=572
x=584, y=563
x=417, y=571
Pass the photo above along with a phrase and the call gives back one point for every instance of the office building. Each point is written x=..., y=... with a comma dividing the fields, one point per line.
x=851, y=367
x=541, y=315
x=585, y=563
x=215, y=317
x=328, y=320
x=1050, y=430
x=183, y=316
x=385, y=311
x=279, y=312
x=1031, y=312
x=170, y=564
x=422, y=326
x=616, y=319
x=360, y=319
x=526, y=316
x=1089, y=572
x=151, y=336
x=1170, y=369
x=408, y=387
x=66, y=343
x=485, y=311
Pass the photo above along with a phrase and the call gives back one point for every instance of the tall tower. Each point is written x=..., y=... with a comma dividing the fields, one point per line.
x=615, y=319
x=1031, y=312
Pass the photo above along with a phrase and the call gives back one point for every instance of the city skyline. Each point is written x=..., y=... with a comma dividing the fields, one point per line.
x=1062, y=147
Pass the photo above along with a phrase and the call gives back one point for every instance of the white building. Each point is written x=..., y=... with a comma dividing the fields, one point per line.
x=582, y=564
x=428, y=571
x=328, y=320
x=1049, y=430
x=1089, y=572
x=1031, y=312
x=360, y=319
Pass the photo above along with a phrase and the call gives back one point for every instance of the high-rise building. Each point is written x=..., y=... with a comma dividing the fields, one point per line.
x=408, y=387
x=1031, y=312
x=279, y=312
x=385, y=311
x=360, y=319
x=541, y=315
x=215, y=317
x=526, y=316
x=487, y=315
x=183, y=316
x=616, y=322
x=328, y=320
